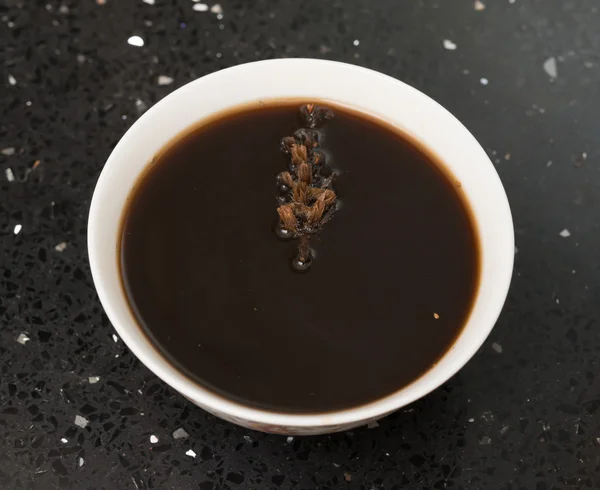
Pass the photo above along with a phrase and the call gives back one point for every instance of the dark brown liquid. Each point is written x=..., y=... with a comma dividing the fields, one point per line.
x=212, y=286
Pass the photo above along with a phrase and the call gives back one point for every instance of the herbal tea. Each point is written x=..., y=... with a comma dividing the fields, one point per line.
x=299, y=258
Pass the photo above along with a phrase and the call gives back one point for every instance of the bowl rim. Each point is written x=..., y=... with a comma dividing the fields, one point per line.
x=231, y=409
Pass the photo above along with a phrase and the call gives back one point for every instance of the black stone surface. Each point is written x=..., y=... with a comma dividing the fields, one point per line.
x=524, y=414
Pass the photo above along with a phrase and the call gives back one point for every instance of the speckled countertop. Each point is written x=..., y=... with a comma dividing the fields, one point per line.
x=78, y=411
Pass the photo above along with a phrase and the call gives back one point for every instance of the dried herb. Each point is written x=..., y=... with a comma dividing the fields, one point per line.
x=307, y=199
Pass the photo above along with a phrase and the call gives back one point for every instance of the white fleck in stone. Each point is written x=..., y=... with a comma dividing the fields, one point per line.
x=61, y=247
x=247, y=438
x=17, y=229
x=165, y=80
x=550, y=67
x=220, y=16
x=8, y=151
x=140, y=106
x=549, y=163
x=565, y=233
x=479, y=6
x=449, y=45
x=190, y=452
x=81, y=421
x=135, y=41
x=180, y=433
x=504, y=429
x=93, y=379
x=9, y=175
x=115, y=338
x=63, y=9
x=149, y=2
x=64, y=440
x=512, y=1
x=289, y=440
x=471, y=420
x=483, y=81
x=153, y=439
x=23, y=339
x=485, y=440
x=28, y=103
x=356, y=42
x=497, y=347
x=200, y=7
x=11, y=80
x=80, y=58
x=584, y=156
x=373, y=424
x=80, y=462
x=516, y=250
x=487, y=416
x=216, y=9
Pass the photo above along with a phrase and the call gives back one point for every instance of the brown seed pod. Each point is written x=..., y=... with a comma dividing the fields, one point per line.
x=288, y=218
x=310, y=200
x=300, y=192
x=286, y=178
x=314, y=115
x=304, y=173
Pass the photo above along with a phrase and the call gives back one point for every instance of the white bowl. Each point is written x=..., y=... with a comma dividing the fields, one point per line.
x=362, y=89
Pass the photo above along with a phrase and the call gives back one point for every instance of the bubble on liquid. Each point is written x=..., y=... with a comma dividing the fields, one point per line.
x=284, y=189
x=307, y=137
x=325, y=170
x=286, y=144
x=281, y=199
x=318, y=158
x=282, y=233
x=301, y=265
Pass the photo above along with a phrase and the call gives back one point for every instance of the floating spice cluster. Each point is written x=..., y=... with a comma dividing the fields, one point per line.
x=307, y=199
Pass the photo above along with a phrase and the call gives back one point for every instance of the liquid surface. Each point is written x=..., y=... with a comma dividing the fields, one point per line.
x=212, y=286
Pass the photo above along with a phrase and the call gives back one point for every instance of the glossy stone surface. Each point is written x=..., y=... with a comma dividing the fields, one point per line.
x=78, y=411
